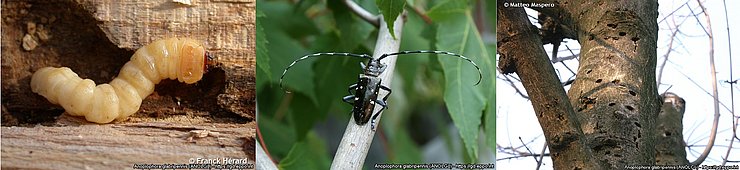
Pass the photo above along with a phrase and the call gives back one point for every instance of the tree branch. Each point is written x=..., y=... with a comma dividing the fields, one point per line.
x=732, y=93
x=713, y=134
x=263, y=160
x=542, y=156
x=357, y=138
x=362, y=13
x=521, y=51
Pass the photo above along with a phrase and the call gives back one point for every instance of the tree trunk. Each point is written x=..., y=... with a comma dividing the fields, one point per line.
x=670, y=147
x=613, y=100
x=520, y=51
x=615, y=93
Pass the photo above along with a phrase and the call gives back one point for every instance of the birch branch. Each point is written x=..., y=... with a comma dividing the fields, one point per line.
x=263, y=161
x=356, y=141
x=713, y=135
x=362, y=13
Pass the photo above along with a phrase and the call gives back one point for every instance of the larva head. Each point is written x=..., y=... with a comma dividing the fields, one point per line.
x=192, y=62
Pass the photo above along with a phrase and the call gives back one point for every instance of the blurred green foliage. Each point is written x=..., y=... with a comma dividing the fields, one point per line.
x=301, y=129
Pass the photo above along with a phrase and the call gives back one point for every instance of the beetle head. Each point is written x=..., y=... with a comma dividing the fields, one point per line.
x=373, y=68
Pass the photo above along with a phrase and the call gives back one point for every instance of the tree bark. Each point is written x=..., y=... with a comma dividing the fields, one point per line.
x=670, y=146
x=521, y=52
x=76, y=144
x=615, y=92
x=227, y=29
x=95, y=38
x=613, y=101
x=213, y=117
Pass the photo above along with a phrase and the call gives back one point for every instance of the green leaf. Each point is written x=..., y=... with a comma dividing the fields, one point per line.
x=263, y=58
x=457, y=33
x=304, y=5
x=306, y=155
x=490, y=114
x=333, y=77
x=334, y=74
x=303, y=115
x=411, y=72
x=405, y=151
x=390, y=10
x=277, y=137
x=317, y=146
x=284, y=49
x=350, y=31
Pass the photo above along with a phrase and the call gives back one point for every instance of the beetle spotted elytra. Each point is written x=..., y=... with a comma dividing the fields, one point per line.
x=365, y=98
x=368, y=86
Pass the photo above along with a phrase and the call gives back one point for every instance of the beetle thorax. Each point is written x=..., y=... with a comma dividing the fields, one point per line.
x=374, y=68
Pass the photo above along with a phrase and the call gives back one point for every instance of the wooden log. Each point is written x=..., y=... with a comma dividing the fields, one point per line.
x=95, y=38
x=116, y=146
x=227, y=27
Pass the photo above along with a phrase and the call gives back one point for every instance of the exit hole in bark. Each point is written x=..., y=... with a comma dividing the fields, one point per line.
x=589, y=71
x=611, y=25
x=599, y=80
x=633, y=93
x=638, y=125
x=634, y=41
x=622, y=33
x=612, y=104
x=586, y=103
x=560, y=116
x=668, y=134
x=630, y=108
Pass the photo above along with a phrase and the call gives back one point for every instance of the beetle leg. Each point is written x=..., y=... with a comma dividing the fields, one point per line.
x=386, y=89
x=383, y=106
x=382, y=103
x=352, y=87
x=349, y=99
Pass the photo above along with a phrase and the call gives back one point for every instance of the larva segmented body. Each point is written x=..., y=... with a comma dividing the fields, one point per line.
x=174, y=58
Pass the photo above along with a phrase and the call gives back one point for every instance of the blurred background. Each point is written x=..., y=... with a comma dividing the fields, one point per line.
x=302, y=129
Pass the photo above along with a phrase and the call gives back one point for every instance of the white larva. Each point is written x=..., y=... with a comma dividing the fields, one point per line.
x=174, y=58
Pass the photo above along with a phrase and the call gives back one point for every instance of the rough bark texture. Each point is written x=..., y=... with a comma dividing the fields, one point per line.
x=520, y=51
x=670, y=146
x=95, y=38
x=226, y=26
x=615, y=93
x=75, y=144
x=614, y=96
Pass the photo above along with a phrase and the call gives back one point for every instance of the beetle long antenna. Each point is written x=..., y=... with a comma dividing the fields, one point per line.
x=316, y=55
x=480, y=74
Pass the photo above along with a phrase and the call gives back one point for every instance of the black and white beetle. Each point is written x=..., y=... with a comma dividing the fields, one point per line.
x=366, y=89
